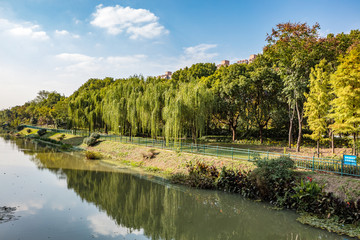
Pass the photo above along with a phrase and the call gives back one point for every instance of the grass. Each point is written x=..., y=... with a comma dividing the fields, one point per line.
x=28, y=131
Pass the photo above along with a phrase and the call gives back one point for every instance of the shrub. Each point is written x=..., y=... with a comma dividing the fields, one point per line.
x=274, y=177
x=148, y=155
x=41, y=132
x=202, y=175
x=90, y=141
x=28, y=130
x=235, y=181
x=61, y=137
x=306, y=195
x=92, y=155
x=95, y=135
x=20, y=127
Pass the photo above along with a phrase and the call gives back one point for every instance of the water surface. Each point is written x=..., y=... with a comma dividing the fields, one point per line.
x=63, y=196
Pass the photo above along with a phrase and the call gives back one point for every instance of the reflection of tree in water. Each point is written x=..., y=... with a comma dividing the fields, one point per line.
x=168, y=213
x=165, y=212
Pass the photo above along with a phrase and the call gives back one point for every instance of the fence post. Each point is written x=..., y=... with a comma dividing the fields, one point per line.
x=313, y=167
x=204, y=148
x=268, y=155
x=232, y=153
x=248, y=154
x=217, y=151
x=191, y=147
x=342, y=166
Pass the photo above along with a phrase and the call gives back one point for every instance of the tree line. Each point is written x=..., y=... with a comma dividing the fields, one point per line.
x=300, y=83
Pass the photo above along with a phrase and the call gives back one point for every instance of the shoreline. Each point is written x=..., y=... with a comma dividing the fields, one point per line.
x=167, y=163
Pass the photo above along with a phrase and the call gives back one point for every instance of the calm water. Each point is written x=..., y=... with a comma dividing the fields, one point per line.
x=62, y=196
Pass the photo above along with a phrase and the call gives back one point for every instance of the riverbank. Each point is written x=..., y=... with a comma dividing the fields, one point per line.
x=167, y=163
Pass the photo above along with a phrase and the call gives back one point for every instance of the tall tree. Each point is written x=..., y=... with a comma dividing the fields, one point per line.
x=317, y=105
x=264, y=86
x=346, y=88
x=293, y=47
x=229, y=85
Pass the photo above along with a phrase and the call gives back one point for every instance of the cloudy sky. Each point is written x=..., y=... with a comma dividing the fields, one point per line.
x=60, y=44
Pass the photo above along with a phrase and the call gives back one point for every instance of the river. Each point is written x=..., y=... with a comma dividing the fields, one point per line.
x=63, y=196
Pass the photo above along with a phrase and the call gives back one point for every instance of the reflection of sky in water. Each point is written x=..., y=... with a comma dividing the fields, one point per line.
x=102, y=225
x=49, y=210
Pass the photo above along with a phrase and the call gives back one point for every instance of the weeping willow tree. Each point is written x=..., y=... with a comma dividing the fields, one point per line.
x=85, y=105
x=187, y=108
x=149, y=106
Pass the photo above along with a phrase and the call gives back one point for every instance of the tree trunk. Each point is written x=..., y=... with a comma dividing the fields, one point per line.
x=261, y=133
x=318, y=148
x=291, y=127
x=233, y=129
x=332, y=143
x=354, y=147
x=300, y=120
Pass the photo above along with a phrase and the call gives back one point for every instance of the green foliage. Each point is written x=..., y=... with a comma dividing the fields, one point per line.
x=95, y=135
x=345, y=83
x=202, y=175
x=92, y=155
x=61, y=137
x=41, y=132
x=317, y=105
x=235, y=181
x=273, y=177
x=306, y=194
x=90, y=141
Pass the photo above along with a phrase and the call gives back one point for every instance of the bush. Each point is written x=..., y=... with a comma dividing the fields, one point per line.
x=306, y=195
x=95, y=135
x=274, y=178
x=92, y=155
x=20, y=127
x=41, y=132
x=202, y=175
x=28, y=130
x=235, y=181
x=90, y=141
x=61, y=137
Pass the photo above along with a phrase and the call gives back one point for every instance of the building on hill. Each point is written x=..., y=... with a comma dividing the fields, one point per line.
x=252, y=57
x=167, y=75
x=247, y=61
x=223, y=63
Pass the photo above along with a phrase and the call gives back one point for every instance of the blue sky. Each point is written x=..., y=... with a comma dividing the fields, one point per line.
x=60, y=44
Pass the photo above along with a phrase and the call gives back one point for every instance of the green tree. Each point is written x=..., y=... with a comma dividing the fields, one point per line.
x=317, y=105
x=294, y=49
x=230, y=89
x=264, y=88
x=345, y=83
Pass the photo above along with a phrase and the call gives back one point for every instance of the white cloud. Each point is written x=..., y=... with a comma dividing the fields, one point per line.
x=72, y=64
x=74, y=57
x=23, y=30
x=195, y=54
x=200, y=52
x=64, y=33
x=138, y=23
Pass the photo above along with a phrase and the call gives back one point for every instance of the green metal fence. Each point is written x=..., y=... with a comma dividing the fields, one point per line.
x=311, y=163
